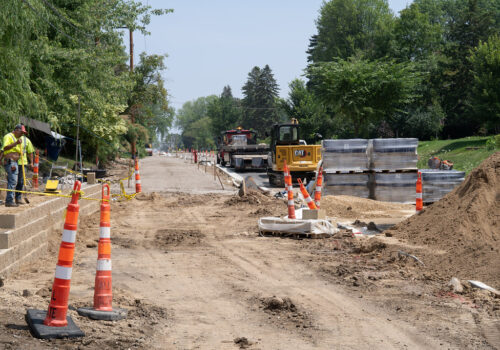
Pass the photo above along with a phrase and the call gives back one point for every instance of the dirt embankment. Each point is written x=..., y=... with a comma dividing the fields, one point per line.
x=462, y=230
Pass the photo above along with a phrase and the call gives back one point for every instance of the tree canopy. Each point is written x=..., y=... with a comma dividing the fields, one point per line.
x=56, y=53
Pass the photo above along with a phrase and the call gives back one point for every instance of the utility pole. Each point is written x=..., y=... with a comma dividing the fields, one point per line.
x=132, y=118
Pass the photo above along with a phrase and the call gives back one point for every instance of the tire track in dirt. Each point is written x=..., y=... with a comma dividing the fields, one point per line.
x=353, y=325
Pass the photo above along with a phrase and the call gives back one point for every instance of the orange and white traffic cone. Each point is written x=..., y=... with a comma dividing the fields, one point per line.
x=138, y=187
x=319, y=184
x=35, y=170
x=103, y=294
x=289, y=189
x=307, y=197
x=56, y=324
x=419, y=204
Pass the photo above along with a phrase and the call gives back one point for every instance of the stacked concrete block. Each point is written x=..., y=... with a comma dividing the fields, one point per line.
x=437, y=183
x=395, y=187
x=348, y=184
x=393, y=154
x=24, y=234
x=345, y=155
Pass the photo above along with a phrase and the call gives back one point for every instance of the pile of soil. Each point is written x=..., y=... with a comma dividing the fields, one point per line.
x=253, y=197
x=355, y=207
x=284, y=312
x=462, y=230
x=175, y=237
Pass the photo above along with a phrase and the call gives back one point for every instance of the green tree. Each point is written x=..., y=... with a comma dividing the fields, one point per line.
x=195, y=123
x=347, y=27
x=416, y=36
x=148, y=100
x=56, y=53
x=468, y=23
x=361, y=92
x=224, y=112
x=485, y=97
x=302, y=105
x=260, y=100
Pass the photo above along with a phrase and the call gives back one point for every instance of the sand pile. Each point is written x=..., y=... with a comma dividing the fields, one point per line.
x=355, y=208
x=463, y=228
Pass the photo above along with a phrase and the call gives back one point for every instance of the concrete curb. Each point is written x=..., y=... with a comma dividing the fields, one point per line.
x=236, y=177
x=239, y=179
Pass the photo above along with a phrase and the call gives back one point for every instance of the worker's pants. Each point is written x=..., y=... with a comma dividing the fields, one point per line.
x=20, y=182
x=12, y=172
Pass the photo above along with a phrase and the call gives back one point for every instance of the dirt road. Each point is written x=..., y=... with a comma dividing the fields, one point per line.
x=194, y=273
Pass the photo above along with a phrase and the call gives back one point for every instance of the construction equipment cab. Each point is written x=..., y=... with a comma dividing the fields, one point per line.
x=302, y=160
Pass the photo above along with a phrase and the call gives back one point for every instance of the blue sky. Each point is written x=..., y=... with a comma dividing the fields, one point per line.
x=215, y=43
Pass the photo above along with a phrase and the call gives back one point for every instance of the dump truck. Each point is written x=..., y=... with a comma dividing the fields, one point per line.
x=238, y=149
x=301, y=159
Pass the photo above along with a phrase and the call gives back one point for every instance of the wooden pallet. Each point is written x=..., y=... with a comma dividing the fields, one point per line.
x=347, y=171
x=395, y=171
x=295, y=235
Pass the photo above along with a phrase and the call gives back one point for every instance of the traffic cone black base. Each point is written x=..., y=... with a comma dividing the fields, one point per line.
x=35, y=318
x=115, y=315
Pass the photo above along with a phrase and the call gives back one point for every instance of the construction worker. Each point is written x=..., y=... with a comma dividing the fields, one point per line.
x=11, y=154
x=27, y=151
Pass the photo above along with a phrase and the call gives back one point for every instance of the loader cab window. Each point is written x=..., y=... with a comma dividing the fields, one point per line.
x=288, y=135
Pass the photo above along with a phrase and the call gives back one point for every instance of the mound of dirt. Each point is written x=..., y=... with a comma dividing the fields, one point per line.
x=463, y=228
x=252, y=197
x=285, y=313
x=354, y=207
x=175, y=237
x=278, y=304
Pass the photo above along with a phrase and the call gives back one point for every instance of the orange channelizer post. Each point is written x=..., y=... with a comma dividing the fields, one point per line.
x=319, y=184
x=289, y=189
x=35, y=170
x=138, y=187
x=58, y=307
x=103, y=295
x=419, y=205
x=307, y=197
